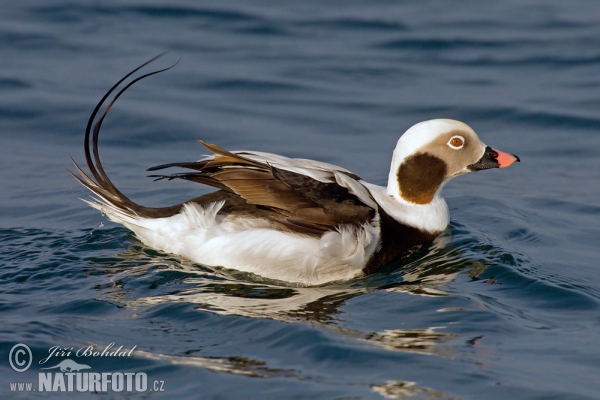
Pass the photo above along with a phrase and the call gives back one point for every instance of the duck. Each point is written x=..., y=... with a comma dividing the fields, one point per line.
x=296, y=220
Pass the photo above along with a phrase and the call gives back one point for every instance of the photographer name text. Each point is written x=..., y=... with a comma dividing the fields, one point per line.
x=87, y=351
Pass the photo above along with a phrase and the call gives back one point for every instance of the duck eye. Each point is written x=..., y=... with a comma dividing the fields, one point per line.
x=456, y=142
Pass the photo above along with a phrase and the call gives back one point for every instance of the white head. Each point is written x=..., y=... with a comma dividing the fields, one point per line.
x=431, y=153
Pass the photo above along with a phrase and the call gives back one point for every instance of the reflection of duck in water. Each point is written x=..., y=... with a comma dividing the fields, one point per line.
x=300, y=220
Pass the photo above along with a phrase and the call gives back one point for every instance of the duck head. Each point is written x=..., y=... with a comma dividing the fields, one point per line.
x=432, y=152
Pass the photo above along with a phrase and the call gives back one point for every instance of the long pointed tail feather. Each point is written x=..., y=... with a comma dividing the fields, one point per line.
x=99, y=183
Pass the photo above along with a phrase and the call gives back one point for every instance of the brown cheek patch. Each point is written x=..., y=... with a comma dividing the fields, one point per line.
x=420, y=176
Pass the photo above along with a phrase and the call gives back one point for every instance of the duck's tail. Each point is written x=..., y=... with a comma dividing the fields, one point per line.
x=108, y=198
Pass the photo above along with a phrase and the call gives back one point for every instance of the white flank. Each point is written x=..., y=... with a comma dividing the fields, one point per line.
x=249, y=244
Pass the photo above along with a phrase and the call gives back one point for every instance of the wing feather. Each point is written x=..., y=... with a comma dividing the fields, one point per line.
x=305, y=204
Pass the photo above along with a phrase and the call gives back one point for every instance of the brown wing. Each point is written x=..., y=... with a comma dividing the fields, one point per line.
x=298, y=202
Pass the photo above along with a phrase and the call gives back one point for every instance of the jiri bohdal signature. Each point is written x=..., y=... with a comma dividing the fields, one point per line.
x=92, y=350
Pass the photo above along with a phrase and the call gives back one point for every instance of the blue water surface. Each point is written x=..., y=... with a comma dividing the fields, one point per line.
x=504, y=304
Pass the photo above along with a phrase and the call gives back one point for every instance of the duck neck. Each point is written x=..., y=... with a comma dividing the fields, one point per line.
x=432, y=217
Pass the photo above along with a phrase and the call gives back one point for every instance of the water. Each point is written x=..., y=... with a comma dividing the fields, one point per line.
x=504, y=304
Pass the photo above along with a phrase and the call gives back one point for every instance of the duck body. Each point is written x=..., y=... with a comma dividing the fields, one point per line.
x=297, y=220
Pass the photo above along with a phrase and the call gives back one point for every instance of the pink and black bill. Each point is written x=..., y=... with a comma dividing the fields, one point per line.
x=493, y=158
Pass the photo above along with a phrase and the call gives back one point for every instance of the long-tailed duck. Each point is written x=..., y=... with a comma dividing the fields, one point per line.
x=299, y=220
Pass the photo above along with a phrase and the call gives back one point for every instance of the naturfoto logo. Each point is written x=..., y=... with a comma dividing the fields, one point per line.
x=66, y=375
